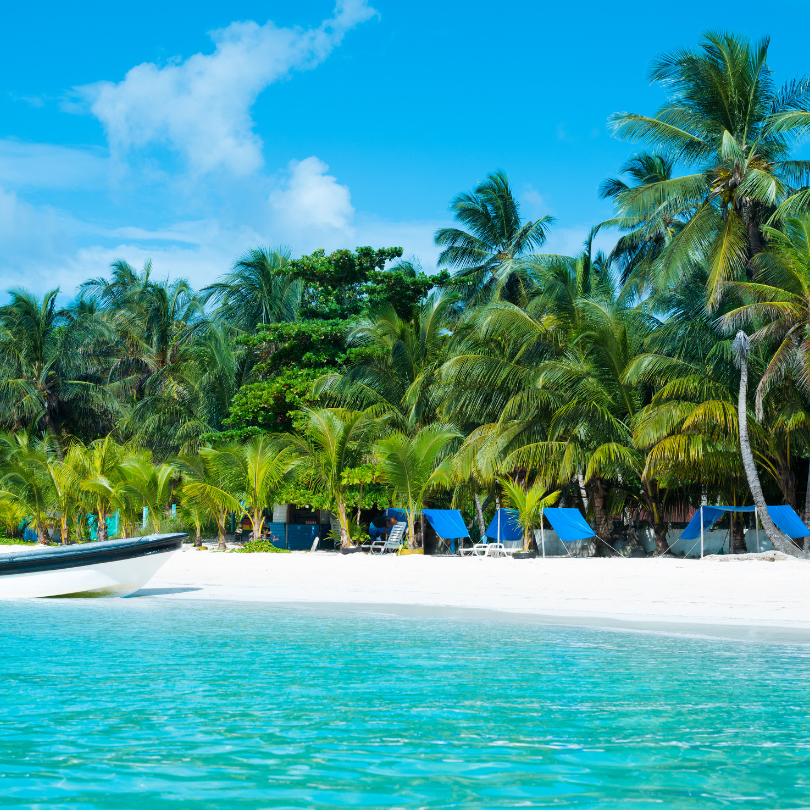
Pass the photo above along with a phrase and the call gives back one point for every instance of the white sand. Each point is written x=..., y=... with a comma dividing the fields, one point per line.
x=659, y=593
x=718, y=592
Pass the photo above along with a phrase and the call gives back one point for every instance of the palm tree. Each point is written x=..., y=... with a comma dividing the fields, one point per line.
x=413, y=464
x=209, y=484
x=25, y=484
x=646, y=232
x=259, y=468
x=148, y=484
x=45, y=365
x=742, y=348
x=529, y=504
x=334, y=441
x=99, y=465
x=257, y=290
x=725, y=118
x=489, y=251
x=65, y=490
x=398, y=367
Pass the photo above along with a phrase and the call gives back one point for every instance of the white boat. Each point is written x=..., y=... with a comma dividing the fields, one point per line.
x=108, y=568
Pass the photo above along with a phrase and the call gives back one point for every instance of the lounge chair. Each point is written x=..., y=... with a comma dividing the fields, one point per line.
x=393, y=541
x=489, y=550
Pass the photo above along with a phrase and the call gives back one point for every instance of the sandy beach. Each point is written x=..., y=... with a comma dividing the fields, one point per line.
x=771, y=598
x=634, y=592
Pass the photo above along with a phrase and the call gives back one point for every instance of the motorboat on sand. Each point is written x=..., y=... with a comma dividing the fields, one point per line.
x=106, y=568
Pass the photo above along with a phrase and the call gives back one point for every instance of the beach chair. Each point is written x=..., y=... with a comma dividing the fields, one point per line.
x=489, y=550
x=393, y=541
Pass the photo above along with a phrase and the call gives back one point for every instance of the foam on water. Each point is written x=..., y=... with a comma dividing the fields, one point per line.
x=149, y=703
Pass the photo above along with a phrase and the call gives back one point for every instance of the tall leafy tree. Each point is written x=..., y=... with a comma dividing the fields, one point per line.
x=257, y=290
x=726, y=120
x=487, y=250
x=46, y=367
x=413, y=464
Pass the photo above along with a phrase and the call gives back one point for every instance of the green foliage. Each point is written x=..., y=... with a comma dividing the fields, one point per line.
x=261, y=546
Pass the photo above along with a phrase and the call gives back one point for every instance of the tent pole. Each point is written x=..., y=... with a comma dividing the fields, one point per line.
x=543, y=533
x=756, y=526
x=499, y=524
x=701, y=531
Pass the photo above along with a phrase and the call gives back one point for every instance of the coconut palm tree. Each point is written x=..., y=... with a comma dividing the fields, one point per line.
x=257, y=290
x=529, y=504
x=209, y=484
x=413, y=464
x=45, y=365
x=259, y=468
x=148, y=484
x=488, y=253
x=398, y=368
x=99, y=464
x=332, y=442
x=742, y=348
x=25, y=484
x=726, y=119
x=645, y=232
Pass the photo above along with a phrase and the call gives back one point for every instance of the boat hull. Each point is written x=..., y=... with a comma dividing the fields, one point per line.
x=108, y=568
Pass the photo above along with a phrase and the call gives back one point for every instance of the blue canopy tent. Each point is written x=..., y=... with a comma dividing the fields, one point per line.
x=447, y=523
x=784, y=517
x=569, y=525
x=504, y=527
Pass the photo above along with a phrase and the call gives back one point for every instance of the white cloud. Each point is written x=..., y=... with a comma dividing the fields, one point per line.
x=200, y=107
x=312, y=200
x=44, y=165
x=32, y=242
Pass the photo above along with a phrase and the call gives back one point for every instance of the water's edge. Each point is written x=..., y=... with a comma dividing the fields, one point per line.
x=742, y=631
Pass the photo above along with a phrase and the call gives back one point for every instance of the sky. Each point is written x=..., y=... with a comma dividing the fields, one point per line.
x=190, y=132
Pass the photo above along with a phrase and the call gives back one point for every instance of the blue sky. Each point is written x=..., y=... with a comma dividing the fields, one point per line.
x=189, y=132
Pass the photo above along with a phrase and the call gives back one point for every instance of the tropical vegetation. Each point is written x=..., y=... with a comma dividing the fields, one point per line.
x=635, y=385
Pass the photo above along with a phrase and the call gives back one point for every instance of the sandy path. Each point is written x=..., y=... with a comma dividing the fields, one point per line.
x=652, y=590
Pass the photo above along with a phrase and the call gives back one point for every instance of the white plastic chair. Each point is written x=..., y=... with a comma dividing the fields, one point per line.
x=489, y=550
x=393, y=542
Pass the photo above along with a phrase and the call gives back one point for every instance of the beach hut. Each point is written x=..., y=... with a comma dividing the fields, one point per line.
x=786, y=520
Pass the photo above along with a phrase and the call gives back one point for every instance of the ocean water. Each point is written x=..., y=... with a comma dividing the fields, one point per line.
x=149, y=703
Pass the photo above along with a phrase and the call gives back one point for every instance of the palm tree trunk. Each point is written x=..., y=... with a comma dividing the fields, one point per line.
x=479, y=511
x=345, y=537
x=742, y=347
x=600, y=515
x=582, y=492
x=258, y=523
x=807, y=510
x=221, y=533
x=101, y=526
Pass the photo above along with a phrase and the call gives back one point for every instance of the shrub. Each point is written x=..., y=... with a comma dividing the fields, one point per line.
x=260, y=546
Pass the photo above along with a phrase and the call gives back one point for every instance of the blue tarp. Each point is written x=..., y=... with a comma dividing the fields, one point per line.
x=788, y=521
x=447, y=523
x=378, y=531
x=569, y=524
x=783, y=516
x=510, y=528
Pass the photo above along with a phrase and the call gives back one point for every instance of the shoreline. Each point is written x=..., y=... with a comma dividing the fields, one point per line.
x=752, y=598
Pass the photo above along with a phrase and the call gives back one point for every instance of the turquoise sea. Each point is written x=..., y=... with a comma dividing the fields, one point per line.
x=149, y=703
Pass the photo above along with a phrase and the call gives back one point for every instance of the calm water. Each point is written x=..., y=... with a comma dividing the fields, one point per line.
x=143, y=703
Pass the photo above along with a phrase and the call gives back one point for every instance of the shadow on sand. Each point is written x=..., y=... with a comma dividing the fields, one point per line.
x=161, y=591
